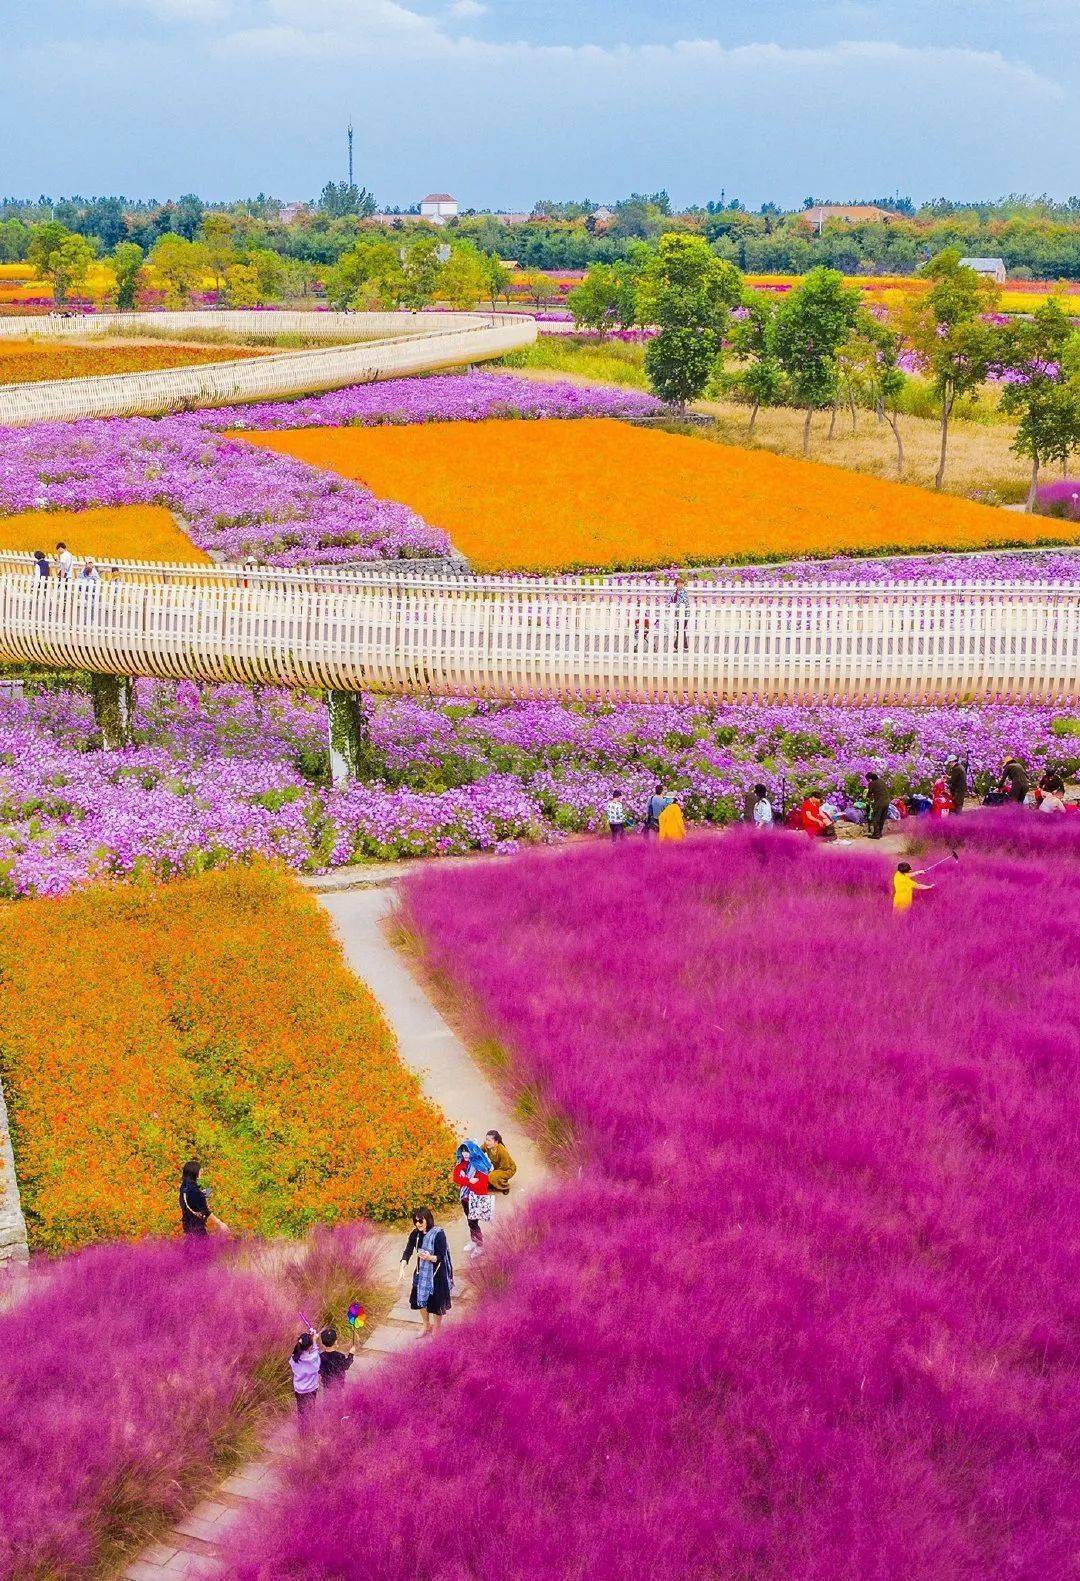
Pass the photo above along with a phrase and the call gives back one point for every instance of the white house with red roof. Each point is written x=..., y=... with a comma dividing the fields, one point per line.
x=438, y=207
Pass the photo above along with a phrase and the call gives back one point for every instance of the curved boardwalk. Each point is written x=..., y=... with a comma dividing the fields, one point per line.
x=386, y=345
x=505, y=637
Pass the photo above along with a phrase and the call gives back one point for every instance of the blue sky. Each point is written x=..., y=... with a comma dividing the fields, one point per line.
x=504, y=101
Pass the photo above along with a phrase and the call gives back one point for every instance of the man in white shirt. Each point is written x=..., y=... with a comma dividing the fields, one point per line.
x=65, y=562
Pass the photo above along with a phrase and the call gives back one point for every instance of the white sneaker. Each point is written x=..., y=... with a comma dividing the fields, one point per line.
x=469, y=1249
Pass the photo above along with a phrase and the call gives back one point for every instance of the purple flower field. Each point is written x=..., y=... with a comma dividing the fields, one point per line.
x=225, y=773
x=803, y=1305
x=129, y=1371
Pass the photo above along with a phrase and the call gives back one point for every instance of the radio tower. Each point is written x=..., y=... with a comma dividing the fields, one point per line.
x=350, y=154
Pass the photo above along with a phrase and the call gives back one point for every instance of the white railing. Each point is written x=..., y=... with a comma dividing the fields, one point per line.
x=569, y=637
x=395, y=344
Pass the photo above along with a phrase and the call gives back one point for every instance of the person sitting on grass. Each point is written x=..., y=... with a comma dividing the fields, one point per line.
x=813, y=819
x=904, y=884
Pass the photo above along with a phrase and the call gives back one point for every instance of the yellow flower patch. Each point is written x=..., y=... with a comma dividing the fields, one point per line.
x=599, y=493
x=214, y=1017
x=117, y=532
x=31, y=361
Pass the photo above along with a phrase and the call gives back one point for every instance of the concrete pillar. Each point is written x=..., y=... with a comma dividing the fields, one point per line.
x=350, y=738
x=111, y=696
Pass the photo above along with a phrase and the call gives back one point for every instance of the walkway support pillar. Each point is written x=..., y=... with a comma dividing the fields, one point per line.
x=111, y=696
x=350, y=736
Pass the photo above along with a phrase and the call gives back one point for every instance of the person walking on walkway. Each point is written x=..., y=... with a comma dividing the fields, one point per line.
x=956, y=780
x=433, y=1281
x=879, y=797
x=472, y=1171
x=41, y=563
x=304, y=1366
x=503, y=1167
x=65, y=562
x=195, y=1215
x=680, y=600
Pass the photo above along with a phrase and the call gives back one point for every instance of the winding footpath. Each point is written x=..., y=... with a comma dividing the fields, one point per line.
x=194, y=1546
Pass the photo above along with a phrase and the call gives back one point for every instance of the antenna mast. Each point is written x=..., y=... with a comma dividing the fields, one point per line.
x=350, y=153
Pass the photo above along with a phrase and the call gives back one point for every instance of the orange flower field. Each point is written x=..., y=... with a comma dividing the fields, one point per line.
x=30, y=361
x=117, y=532
x=600, y=493
x=214, y=1016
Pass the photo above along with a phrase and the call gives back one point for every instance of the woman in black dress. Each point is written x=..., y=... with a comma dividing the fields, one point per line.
x=433, y=1281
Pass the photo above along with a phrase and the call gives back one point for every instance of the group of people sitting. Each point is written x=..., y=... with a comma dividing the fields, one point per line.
x=481, y=1172
x=818, y=814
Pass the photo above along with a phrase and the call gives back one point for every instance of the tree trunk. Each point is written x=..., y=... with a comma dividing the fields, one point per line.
x=1034, y=484
x=946, y=413
x=832, y=419
x=806, y=431
x=851, y=404
x=891, y=419
x=753, y=416
x=111, y=698
x=352, y=755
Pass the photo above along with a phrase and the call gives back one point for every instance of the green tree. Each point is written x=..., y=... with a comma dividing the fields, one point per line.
x=369, y=276
x=218, y=232
x=688, y=293
x=497, y=279
x=463, y=279
x=270, y=271
x=1041, y=354
x=60, y=257
x=181, y=265
x=812, y=323
x=947, y=330
x=421, y=269
x=126, y=266
x=872, y=377
x=596, y=301
x=69, y=267
x=760, y=379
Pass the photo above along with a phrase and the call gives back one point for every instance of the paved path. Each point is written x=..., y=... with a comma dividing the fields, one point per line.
x=194, y=1546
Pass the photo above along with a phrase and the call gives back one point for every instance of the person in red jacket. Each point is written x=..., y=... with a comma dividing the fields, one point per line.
x=472, y=1167
x=942, y=802
x=814, y=820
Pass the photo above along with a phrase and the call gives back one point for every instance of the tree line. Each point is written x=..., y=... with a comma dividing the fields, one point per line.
x=1036, y=237
x=820, y=348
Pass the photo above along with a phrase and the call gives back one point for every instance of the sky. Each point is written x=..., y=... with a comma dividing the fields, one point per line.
x=504, y=102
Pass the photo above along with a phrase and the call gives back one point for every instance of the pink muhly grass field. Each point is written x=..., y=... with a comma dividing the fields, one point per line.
x=129, y=1373
x=804, y=1303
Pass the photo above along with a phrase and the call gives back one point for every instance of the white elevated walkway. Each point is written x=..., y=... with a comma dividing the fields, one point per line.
x=384, y=346
x=509, y=637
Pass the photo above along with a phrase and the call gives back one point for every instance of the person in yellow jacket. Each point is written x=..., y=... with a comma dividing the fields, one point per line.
x=672, y=823
x=904, y=885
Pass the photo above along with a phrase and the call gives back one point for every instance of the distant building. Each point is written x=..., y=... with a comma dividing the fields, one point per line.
x=288, y=212
x=992, y=268
x=438, y=207
x=848, y=213
x=602, y=218
x=512, y=219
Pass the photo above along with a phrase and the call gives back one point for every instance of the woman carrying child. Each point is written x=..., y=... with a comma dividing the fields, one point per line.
x=471, y=1175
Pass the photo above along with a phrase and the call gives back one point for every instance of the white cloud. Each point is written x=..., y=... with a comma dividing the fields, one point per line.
x=463, y=9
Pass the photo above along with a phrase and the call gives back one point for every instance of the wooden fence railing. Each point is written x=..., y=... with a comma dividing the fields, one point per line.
x=507, y=637
x=407, y=343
